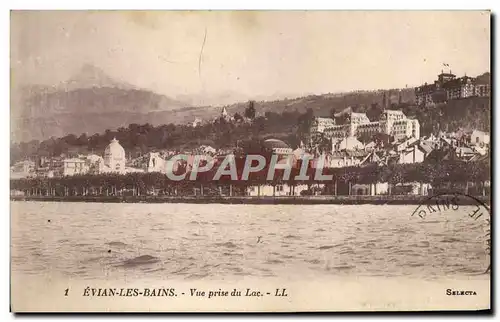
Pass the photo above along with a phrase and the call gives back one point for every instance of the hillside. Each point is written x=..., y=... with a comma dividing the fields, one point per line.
x=322, y=105
x=89, y=102
x=463, y=114
x=78, y=106
x=139, y=136
x=45, y=113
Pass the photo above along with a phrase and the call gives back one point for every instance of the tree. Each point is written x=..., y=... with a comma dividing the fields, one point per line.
x=83, y=140
x=374, y=111
x=305, y=120
x=332, y=113
x=237, y=117
x=365, y=138
x=250, y=110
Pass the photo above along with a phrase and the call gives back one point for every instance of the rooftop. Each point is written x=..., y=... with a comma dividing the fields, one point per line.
x=275, y=143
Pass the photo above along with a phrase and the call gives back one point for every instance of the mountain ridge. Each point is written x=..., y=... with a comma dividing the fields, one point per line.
x=92, y=102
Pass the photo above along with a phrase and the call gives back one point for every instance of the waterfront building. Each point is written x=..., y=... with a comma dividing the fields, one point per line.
x=279, y=190
x=25, y=166
x=373, y=189
x=22, y=169
x=95, y=163
x=75, y=166
x=114, y=157
x=114, y=161
x=411, y=188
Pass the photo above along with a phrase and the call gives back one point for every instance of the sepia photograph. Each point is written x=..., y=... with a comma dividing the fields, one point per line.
x=250, y=161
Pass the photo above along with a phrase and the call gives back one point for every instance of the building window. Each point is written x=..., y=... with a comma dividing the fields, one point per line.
x=279, y=188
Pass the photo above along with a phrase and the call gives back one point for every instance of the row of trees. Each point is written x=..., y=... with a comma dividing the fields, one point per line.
x=138, y=139
x=144, y=183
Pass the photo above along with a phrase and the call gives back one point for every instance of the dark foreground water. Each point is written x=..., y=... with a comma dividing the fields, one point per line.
x=189, y=241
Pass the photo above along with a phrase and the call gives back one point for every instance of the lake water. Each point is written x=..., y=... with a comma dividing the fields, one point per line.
x=204, y=242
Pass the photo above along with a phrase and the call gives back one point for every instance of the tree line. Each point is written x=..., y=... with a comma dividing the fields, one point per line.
x=448, y=174
x=139, y=139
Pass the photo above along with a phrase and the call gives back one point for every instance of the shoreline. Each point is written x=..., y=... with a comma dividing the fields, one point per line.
x=282, y=200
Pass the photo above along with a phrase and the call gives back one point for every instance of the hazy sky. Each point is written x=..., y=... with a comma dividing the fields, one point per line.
x=252, y=53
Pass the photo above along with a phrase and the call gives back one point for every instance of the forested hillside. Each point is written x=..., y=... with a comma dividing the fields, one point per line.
x=466, y=114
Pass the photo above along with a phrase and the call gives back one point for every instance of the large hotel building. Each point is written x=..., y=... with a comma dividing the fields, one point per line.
x=391, y=122
x=447, y=87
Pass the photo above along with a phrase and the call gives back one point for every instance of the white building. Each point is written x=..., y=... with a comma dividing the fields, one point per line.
x=96, y=163
x=321, y=123
x=349, y=143
x=399, y=146
x=405, y=129
x=391, y=122
x=113, y=162
x=224, y=115
x=25, y=166
x=372, y=189
x=448, y=87
x=335, y=131
x=22, y=169
x=413, y=154
x=75, y=166
x=197, y=122
x=279, y=148
x=280, y=190
x=411, y=188
x=156, y=163
x=114, y=157
x=207, y=149
x=479, y=138
x=355, y=120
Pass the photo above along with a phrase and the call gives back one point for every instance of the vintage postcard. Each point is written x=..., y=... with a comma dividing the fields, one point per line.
x=250, y=161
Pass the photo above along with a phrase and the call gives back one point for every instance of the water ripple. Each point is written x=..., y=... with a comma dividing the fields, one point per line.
x=190, y=241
